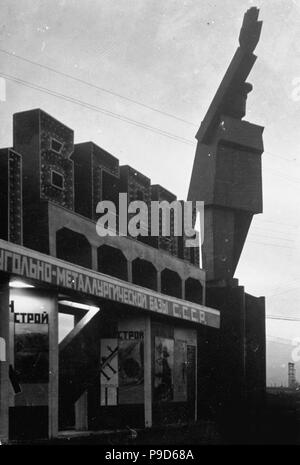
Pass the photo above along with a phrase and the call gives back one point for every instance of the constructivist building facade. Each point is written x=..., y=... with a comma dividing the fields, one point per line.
x=107, y=332
x=96, y=332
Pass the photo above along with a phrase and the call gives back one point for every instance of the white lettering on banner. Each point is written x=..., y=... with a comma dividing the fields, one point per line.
x=176, y=310
x=29, y=267
x=158, y=305
x=194, y=315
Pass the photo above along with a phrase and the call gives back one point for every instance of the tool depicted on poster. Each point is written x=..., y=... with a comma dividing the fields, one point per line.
x=109, y=378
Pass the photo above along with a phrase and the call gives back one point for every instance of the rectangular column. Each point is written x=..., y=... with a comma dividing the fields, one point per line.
x=183, y=289
x=81, y=405
x=203, y=293
x=4, y=362
x=129, y=271
x=53, y=370
x=159, y=281
x=148, y=374
x=94, y=258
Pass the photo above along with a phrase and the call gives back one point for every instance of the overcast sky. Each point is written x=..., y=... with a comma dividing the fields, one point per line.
x=172, y=55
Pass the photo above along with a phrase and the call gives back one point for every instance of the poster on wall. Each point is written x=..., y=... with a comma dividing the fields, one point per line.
x=180, y=371
x=131, y=367
x=31, y=346
x=109, y=378
x=164, y=369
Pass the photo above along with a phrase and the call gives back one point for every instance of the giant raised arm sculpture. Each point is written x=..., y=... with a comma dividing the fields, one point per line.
x=227, y=167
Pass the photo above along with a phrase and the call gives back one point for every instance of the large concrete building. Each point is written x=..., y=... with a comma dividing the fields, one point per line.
x=134, y=308
x=108, y=332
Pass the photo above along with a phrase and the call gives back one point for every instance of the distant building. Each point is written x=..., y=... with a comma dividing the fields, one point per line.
x=292, y=376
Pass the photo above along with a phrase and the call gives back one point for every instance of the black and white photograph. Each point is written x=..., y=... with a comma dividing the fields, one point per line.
x=149, y=215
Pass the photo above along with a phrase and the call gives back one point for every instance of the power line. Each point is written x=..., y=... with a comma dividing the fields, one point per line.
x=288, y=178
x=285, y=283
x=255, y=231
x=291, y=160
x=117, y=116
x=284, y=292
x=275, y=231
x=280, y=223
x=270, y=237
x=102, y=89
x=97, y=109
x=271, y=245
x=110, y=92
x=284, y=318
x=280, y=156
